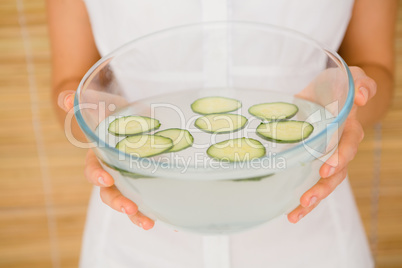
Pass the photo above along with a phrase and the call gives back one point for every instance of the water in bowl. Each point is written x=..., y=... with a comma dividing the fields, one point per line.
x=207, y=204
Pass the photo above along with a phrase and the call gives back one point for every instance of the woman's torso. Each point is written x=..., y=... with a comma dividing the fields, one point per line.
x=117, y=22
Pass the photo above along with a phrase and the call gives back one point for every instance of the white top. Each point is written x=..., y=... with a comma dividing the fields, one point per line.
x=117, y=22
x=330, y=236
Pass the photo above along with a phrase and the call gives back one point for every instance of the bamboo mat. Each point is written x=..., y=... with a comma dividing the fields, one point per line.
x=44, y=195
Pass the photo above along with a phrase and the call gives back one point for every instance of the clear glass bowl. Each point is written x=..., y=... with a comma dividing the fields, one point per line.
x=252, y=62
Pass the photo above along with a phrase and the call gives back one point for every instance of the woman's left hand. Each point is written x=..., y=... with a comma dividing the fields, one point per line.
x=334, y=170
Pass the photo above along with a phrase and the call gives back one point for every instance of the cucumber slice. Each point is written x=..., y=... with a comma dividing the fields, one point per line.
x=215, y=105
x=285, y=131
x=221, y=123
x=255, y=178
x=132, y=125
x=145, y=145
x=181, y=138
x=237, y=150
x=273, y=110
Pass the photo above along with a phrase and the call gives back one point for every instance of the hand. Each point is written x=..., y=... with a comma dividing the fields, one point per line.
x=96, y=175
x=334, y=170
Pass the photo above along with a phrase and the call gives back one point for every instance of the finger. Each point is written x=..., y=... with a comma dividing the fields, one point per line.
x=352, y=135
x=65, y=100
x=365, y=87
x=316, y=194
x=142, y=221
x=298, y=213
x=94, y=172
x=112, y=197
x=322, y=188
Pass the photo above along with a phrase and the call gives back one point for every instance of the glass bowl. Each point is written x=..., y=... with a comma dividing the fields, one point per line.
x=161, y=74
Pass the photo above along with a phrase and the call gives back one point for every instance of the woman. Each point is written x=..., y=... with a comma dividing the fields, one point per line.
x=332, y=235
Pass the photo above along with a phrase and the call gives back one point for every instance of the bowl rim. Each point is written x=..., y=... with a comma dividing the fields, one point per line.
x=332, y=126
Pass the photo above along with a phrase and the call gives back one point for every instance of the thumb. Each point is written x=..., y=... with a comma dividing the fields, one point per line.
x=66, y=100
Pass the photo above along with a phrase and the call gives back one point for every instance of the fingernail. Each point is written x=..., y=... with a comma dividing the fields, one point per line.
x=300, y=217
x=312, y=201
x=364, y=92
x=68, y=102
x=140, y=224
x=123, y=210
x=102, y=181
x=331, y=172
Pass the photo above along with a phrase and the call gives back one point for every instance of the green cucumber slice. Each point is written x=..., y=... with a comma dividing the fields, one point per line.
x=132, y=125
x=285, y=131
x=255, y=178
x=215, y=105
x=126, y=173
x=273, y=110
x=181, y=138
x=221, y=123
x=237, y=150
x=145, y=145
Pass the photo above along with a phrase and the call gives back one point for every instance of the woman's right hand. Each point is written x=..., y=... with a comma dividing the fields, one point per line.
x=96, y=175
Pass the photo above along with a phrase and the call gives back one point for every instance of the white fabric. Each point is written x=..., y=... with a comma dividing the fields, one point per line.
x=216, y=249
x=330, y=236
